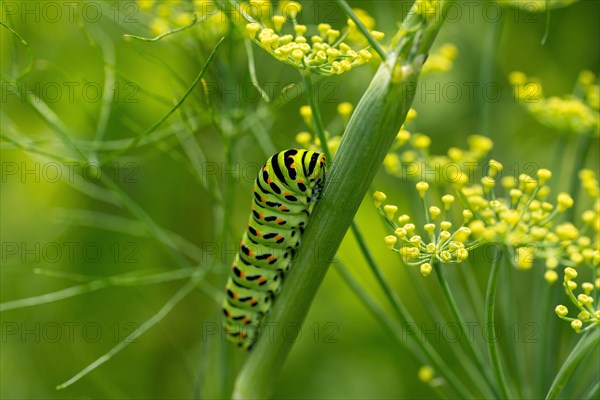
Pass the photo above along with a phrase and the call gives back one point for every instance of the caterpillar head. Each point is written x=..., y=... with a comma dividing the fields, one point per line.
x=316, y=174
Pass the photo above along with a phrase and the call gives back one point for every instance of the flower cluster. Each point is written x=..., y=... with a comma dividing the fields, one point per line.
x=522, y=220
x=325, y=52
x=309, y=139
x=176, y=14
x=441, y=240
x=588, y=315
x=576, y=113
x=409, y=157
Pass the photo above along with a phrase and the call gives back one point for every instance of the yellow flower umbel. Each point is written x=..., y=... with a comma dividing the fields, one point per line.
x=323, y=52
x=436, y=241
x=576, y=113
x=588, y=314
x=514, y=212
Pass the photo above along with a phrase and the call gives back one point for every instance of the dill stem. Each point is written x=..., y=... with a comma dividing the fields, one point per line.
x=542, y=370
x=584, y=346
x=456, y=314
x=490, y=303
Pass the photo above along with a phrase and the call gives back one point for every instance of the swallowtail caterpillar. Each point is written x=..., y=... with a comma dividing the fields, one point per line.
x=285, y=191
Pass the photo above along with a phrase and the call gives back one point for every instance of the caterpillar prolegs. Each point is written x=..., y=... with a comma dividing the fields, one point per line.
x=285, y=190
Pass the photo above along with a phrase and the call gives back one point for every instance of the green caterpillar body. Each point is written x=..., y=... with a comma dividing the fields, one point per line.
x=284, y=194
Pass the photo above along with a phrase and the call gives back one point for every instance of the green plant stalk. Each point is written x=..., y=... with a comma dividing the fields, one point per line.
x=584, y=346
x=545, y=311
x=490, y=302
x=319, y=129
x=473, y=353
x=368, y=136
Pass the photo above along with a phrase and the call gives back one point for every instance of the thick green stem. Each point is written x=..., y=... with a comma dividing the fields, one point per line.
x=367, y=139
x=584, y=347
x=490, y=302
x=458, y=318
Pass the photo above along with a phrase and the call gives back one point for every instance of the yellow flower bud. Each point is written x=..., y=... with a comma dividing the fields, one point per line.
x=576, y=325
x=389, y=211
x=300, y=30
x=344, y=109
x=462, y=254
x=550, y=276
x=561, y=311
x=564, y=201
x=278, y=21
x=390, y=241
x=425, y=269
x=543, y=175
x=445, y=225
x=422, y=188
x=467, y=215
x=570, y=273
x=572, y=285
x=583, y=315
x=400, y=232
x=426, y=373
x=495, y=168
x=379, y=198
x=434, y=212
x=303, y=138
x=421, y=141
x=587, y=287
x=447, y=199
x=403, y=219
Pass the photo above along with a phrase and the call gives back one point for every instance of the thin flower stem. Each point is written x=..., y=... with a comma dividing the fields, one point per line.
x=510, y=316
x=407, y=319
x=362, y=28
x=545, y=313
x=490, y=302
x=456, y=314
x=584, y=346
x=316, y=113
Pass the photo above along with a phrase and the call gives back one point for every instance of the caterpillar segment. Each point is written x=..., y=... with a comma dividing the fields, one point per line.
x=285, y=190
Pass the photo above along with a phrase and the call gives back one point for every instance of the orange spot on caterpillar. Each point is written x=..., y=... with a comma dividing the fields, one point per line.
x=286, y=193
x=278, y=237
x=246, y=320
x=262, y=199
x=279, y=220
x=257, y=233
x=261, y=280
x=283, y=208
x=271, y=258
x=269, y=181
x=242, y=274
x=253, y=301
x=300, y=180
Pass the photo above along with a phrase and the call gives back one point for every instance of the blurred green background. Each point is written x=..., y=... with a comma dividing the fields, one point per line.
x=59, y=225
